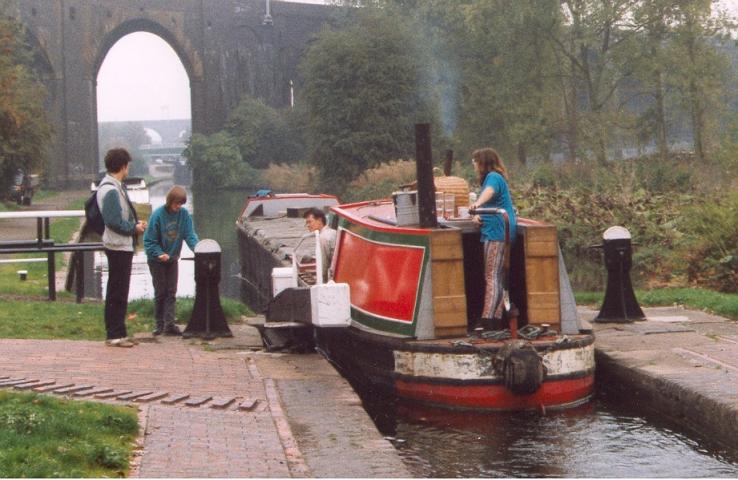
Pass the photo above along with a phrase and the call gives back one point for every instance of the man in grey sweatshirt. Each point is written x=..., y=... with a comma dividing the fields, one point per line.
x=119, y=239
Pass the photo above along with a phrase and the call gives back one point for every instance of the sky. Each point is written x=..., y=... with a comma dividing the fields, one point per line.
x=142, y=78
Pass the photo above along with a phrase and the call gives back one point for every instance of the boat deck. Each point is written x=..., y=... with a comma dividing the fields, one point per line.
x=279, y=235
x=492, y=343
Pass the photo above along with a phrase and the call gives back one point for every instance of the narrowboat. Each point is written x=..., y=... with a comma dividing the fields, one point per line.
x=138, y=191
x=407, y=289
x=415, y=294
x=270, y=230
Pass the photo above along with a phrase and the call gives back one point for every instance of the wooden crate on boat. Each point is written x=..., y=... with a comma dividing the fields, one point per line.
x=447, y=273
x=534, y=282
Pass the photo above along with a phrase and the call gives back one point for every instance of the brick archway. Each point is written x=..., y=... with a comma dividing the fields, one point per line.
x=225, y=47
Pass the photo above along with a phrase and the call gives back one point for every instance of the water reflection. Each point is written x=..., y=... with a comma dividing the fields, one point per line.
x=600, y=439
x=215, y=214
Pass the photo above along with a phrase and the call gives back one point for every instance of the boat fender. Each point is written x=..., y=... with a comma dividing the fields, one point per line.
x=521, y=367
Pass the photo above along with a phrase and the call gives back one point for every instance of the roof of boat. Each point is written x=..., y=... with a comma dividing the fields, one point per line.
x=276, y=204
x=381, y=215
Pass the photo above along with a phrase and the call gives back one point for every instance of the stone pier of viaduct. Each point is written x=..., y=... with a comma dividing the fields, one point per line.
x=228, y=48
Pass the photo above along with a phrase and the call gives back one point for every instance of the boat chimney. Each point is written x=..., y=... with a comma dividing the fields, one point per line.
x=424, y=169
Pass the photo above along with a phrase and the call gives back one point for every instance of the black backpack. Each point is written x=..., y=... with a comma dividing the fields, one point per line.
x=93, y=214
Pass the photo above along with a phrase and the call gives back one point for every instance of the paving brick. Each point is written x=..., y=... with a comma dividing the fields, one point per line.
x=151, y=397
x=30, y=385
x=175, y=397
x=197, y=401
x=72, y=389
x=94, y=391
x=133, y=395
x=52, y=387
x=14, y=381
x=111, y=394
x=248, y=404
x=210, y=442
x=221, y=402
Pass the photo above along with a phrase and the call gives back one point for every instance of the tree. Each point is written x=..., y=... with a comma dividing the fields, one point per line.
x=508, y=76
x=216, y=162
x=699, y=68
x=595, y=52
x=24, y=129
x=264, y=135
x=364, y=91
x=651, y=65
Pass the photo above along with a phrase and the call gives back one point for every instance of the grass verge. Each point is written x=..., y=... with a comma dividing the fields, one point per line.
x=35, y=318
x=724, y=304
x=42, y=436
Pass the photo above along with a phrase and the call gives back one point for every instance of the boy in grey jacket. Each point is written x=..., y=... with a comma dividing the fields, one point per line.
x=119, y=237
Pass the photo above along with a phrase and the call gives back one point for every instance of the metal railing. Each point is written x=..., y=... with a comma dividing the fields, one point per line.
x=44, y=244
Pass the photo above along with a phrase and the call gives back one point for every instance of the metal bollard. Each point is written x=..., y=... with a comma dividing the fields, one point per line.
x=207, y=320
x=620, y=304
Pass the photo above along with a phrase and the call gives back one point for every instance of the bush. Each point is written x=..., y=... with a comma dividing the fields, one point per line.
x=381, y=181
x=216, y=160
x=710, y=245
x=298, y=177
x=583, y=201
x=263, y=134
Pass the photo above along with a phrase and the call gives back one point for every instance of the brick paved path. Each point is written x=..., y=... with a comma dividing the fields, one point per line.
x=332, y=436
x=179, y=441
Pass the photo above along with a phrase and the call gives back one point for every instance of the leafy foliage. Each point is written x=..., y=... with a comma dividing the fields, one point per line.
x=216, y=161
x=710, y=245
x=297, y=177
x=381, y=181
x=681, y=237
x=24, y=129
x=364, y=93
x=264, y=135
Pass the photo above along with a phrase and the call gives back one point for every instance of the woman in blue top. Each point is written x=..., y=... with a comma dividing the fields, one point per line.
x=169, y=225
x=494, y=193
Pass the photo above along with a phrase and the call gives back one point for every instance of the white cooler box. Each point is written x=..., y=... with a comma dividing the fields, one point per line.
x=283, y=277
x=331, y=305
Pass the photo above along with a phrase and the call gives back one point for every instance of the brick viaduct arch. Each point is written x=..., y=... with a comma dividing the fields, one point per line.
x=226, y=47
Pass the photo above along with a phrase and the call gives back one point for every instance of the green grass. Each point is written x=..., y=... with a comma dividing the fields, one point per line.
x=35, y=318
x=724, y=304
x=42, y=437
x=41, y=319
x=232, y=309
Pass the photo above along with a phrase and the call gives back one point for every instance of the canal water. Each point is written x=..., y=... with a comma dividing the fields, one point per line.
x=609, y=437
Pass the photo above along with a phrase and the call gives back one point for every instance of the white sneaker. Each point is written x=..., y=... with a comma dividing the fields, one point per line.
x=119, y=342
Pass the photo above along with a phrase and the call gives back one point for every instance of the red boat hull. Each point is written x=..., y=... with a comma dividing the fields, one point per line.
x=553, y=394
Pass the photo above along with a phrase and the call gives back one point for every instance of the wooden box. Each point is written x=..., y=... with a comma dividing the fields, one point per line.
x=534, y=274
x=447, y=274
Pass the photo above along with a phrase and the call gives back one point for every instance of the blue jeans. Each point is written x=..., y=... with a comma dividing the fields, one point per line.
x=164, y=276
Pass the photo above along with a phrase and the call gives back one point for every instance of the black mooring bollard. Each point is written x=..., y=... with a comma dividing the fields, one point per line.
x=207, y=320
x=620, y=304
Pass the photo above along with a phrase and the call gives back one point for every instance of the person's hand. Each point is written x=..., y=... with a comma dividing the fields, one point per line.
x=163, y=257
x=472, y=208
x=477, y=219
x=140, y=227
